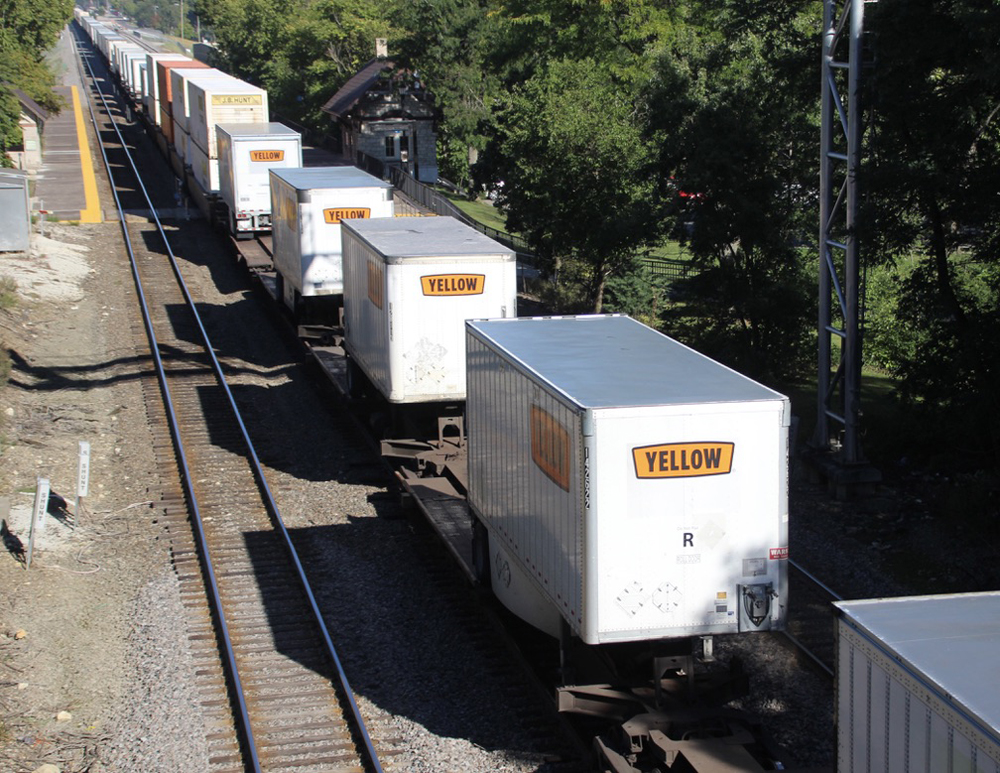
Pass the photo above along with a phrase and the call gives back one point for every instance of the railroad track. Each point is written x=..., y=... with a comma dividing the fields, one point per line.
x=278, y=699
x=811, y=625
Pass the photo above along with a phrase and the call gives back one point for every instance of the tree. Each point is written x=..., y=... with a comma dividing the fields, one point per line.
x=733, y=108
x=28, y=28
x=576, y=170
x=446, y=42
x=932, y=192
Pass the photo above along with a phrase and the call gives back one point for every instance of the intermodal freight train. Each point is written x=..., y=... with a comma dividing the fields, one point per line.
x=613, y=487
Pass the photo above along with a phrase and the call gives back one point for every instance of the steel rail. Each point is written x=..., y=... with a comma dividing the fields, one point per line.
x=791, y=637
x=272, y=508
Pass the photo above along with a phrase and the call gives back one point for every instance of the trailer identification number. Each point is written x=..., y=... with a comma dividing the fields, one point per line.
x=683, y=460
x=453, y=284
x=267, y=155
x=335, y=215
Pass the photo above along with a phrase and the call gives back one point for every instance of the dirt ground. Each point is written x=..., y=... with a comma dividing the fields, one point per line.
x=64, y=627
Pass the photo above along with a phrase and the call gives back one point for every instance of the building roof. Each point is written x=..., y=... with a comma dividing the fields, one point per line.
x=31, y=107
x=351, y=92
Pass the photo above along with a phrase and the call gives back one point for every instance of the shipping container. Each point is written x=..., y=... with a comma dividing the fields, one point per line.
x=917, y=684
x=213, y=101
x=152, y=93
x=307, y=207
x=180, y=96
x=629, y=485
x=204, y=169
x=247, y=153
x=118, y=49
x=133, y=63
x=165, y=88
x=409, y=286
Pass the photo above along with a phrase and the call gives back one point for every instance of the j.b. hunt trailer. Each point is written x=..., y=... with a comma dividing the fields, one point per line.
x=624, y=483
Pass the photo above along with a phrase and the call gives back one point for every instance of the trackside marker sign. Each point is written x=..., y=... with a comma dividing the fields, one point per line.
x=453, y=284
x=683, y=460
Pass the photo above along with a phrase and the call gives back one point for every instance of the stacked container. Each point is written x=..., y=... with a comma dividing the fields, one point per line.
x=152, y=91
x=629, y=485
x=247, y=153
x=307, y=207
x=212, y=100
x=165, y=90
x=180, y=98
x=409, y=286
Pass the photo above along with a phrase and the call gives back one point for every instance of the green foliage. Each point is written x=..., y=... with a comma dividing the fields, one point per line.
x=300, y=51
x=932, y=194
x=733, y=110
x=576, y=170
x=639, y=293
x=8, y=293
x=447, y=42
x=28, y=28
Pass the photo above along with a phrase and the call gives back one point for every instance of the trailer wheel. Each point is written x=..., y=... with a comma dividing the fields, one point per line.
x=481, y=554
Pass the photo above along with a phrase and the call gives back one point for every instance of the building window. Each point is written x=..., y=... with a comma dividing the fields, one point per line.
x=390, y=147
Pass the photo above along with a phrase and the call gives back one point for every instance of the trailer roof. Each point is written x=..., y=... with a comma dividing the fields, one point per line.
x=609, y=361
x=311, y=177
x=948, y=641
x=397, y=239
x=257, y=129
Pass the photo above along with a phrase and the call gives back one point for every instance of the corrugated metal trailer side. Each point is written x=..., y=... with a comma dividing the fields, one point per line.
x=917, y=684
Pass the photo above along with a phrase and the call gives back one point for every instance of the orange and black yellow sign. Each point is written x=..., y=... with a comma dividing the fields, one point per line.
x=683, y=460
x=550, y=447
x=375, y=283
x=335, y=215
x=267, y=155
x=453, y=284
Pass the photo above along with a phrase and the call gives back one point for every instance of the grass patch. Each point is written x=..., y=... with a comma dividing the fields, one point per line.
x=480, y=210
x=8, y=293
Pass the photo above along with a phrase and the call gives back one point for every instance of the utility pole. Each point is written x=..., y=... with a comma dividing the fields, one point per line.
x=837, y=437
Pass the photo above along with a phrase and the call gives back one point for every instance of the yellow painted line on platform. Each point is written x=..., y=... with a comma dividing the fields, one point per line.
x=92, y=214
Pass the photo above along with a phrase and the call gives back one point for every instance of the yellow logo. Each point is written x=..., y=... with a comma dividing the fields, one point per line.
x=375, y=283
x=550, y=447
x=334, y=216
x=267, y=155
x=683, y=460
x=453, y=284
x=237, y=99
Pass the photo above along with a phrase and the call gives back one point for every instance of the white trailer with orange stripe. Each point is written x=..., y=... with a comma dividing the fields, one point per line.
x=409, y=286
x=624, y=483
x=307, y=207
x=247, y=153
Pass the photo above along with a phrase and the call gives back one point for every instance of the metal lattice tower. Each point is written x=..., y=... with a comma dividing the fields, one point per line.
x=838, y=396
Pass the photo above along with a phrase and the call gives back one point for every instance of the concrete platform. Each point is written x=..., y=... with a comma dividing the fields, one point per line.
x=66, y=183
